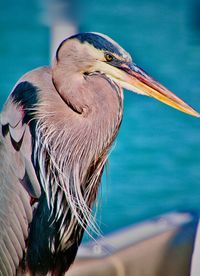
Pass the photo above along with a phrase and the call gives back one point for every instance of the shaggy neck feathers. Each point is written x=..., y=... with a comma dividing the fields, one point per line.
x=73, y=146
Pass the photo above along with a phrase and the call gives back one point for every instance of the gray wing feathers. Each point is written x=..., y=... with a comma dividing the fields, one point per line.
x=17, y=176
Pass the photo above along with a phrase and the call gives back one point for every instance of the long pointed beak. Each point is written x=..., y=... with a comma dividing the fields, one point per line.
x=139, y=81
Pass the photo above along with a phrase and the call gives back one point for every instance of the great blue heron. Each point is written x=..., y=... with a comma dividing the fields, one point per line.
x=57, y=127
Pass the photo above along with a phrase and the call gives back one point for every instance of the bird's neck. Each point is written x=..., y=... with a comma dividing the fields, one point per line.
x=92, y=108
x=85, y=93
x=78, y=121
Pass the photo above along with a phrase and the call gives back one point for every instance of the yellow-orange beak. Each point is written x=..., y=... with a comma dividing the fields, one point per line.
x=135, y=79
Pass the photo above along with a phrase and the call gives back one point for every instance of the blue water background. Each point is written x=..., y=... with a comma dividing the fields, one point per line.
x=154, y=166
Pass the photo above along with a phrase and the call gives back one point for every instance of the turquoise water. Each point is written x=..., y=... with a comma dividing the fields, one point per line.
x=155, y=163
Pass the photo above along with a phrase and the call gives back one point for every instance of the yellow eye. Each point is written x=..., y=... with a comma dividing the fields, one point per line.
x=108, y=57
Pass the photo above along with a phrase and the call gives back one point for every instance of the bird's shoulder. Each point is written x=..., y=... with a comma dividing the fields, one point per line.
x=25, y=95
x=17, y=128
x=38, y=75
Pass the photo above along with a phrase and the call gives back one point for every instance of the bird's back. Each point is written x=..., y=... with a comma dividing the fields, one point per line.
x=20, y=188
x=18, y=180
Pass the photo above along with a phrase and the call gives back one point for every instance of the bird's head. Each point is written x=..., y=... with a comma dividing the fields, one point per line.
x=93, y=52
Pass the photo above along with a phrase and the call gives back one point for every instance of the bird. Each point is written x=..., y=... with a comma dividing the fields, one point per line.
x=56, y=129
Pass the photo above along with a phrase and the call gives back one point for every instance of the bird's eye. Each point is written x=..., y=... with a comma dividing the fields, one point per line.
x=109, y=57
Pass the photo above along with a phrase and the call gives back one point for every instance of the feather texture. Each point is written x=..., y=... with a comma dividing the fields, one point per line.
x=17, y=179
x=56, y=131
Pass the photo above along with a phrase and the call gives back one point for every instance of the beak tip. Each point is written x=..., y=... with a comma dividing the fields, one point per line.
x=195, y=114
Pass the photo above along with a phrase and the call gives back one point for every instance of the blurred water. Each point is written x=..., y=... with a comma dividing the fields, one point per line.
x=155, y=163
